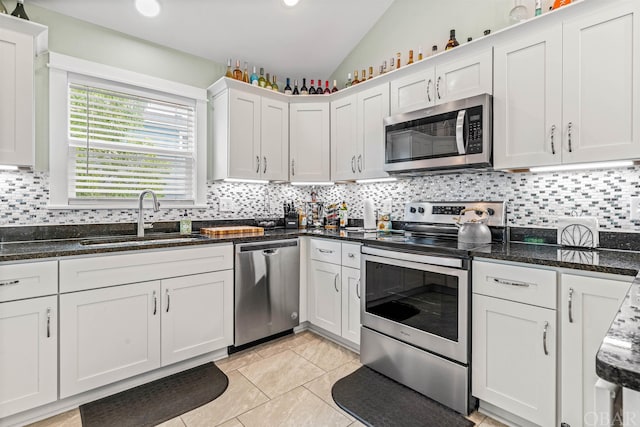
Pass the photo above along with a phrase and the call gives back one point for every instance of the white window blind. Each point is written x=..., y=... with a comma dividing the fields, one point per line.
x=122, y=142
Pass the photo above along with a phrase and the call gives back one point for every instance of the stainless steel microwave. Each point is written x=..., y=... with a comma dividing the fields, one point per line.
x=451, y=136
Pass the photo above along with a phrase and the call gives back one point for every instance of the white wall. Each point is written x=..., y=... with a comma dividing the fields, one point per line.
x=408, y=24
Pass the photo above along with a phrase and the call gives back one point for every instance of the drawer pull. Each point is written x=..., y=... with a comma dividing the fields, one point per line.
x=350, y=255
x=510, y=283
x=544, y=338
x=10, y=282
x=325, y=251
x=335, y=282
x=168, y=300
x=570, y=305
x=48, y=322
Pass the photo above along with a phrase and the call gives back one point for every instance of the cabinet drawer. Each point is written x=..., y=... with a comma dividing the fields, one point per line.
x=351, y=255
x=515, y=283
x=28, y=280
x=326, y=250
x=108, y=270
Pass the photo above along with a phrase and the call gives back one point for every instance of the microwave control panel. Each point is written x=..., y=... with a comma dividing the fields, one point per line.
x=474, y=130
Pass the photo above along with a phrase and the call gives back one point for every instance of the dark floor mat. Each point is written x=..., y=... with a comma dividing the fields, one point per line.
x=158, y=401
x=379, y=401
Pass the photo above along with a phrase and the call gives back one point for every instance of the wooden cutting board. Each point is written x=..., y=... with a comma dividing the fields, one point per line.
x=238, y=229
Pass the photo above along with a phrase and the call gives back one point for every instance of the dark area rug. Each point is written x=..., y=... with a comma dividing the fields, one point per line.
x=158, y=401
x=379, y=401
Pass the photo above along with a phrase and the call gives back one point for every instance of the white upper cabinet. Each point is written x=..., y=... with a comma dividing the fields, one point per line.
x=309, y=141
x=19, y=41
x=564, y=90
x=467, y=74
x=250, y=132
x=357, y=134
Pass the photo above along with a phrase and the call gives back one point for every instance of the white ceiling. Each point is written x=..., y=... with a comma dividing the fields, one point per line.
x=308, y=40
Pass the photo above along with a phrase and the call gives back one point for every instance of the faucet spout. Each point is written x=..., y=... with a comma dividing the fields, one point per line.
x=156, y=208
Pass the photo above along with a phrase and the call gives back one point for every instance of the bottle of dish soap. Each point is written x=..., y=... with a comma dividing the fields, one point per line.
x=343, y=215
x=185, y=224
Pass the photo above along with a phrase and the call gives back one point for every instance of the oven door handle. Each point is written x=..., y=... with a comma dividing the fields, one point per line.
x=460, y=142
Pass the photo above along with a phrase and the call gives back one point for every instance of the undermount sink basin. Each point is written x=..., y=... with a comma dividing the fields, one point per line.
x=138, y=241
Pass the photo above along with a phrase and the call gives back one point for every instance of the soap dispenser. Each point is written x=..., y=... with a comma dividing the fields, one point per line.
x=185, y=224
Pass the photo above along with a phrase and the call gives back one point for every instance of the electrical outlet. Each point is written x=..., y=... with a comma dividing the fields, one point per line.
x=635, y=208
x=226, y=204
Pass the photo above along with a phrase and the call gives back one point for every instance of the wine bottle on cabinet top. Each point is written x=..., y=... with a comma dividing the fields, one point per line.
x=267, y=82
x=355, y=80
x=245, y=73
x=420, y=53
x=364, y=76
x=261, y=81
x=295, y=88
x=370, y=73
x=19, y=10
x=452, y=40
x=326, y=87
x=237, y=72
x=349, y=81
x=398, y=58
x=229, y=71
x=274, y=84
x=287, y=88
x=304, y=90
x=410, y=61
x=312, y=89
x=254, y=77
x=335, y=86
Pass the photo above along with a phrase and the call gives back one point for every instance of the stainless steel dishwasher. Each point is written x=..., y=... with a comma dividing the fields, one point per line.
x=267, y=289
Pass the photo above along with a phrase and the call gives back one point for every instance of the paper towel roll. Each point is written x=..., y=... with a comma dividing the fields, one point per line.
x=369, y=215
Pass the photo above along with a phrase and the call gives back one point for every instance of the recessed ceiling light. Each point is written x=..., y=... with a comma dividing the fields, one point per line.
x=148, y=8
x=290, y=3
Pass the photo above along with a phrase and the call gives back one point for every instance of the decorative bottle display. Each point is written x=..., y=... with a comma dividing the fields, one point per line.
x=312, y=89
x=304, y=90
x=229, y=71
x=355, y=80
x=274, y=84
x=20, y=12
x=261, y=81
x=267, y=82
x=254, y=77
x=237, y=72
x=349, y=82
x=295, y=88
x=410, y=61
x=3, y=9
x=326, y=87
x=370, y=73
x=335, y=86
x=364, y=76
x=287, y=88
x=452, y=41
x=245, y=73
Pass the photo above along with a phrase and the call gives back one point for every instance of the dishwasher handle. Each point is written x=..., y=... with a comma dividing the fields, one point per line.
x=266, y=246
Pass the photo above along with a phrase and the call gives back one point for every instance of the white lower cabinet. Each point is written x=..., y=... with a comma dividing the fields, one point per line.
x=334, y=288
x=28, y=354
x=197, y=315
x=351, y=304
x=588, y=306
x=514, y=358
x=108, y=335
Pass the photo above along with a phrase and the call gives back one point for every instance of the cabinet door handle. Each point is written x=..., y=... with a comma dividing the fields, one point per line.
x=325, y=251
x=335, y=282
x=360, y=163
x=10, y=282
x=350, y=255
x=293, y=167
x=155, y=303
x=358, y=288
x=553, y=147
x=544, y=338
x=168, y=300
x=569, y=126
x=48, y=322
x=429, y=83
x=264, y=170
x=570, y=305
x=511, y=283
x=257, y=164
x=438, y=87
x=353, y=164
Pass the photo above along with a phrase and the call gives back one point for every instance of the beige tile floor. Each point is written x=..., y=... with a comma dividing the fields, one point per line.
x=286, y=382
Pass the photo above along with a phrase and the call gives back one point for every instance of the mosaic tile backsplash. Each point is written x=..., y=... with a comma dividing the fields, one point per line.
x=533, y=199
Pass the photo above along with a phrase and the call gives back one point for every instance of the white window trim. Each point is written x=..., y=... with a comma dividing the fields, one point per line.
x=60, y=66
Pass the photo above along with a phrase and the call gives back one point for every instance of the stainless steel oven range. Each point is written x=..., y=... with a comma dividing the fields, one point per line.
x=416, y=303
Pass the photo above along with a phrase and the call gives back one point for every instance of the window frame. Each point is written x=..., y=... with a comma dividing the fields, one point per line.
x=62, y=70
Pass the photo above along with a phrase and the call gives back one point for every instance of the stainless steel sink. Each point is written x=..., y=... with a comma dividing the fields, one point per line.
x=112, y=241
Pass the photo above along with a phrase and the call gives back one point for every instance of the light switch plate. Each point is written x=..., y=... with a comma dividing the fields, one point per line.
x=226, y=204
x=635, y=208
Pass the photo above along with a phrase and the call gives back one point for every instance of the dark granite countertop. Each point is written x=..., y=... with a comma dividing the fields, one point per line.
x=618, y=360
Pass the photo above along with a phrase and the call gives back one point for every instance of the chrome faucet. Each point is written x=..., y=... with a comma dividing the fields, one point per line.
x=156, y=208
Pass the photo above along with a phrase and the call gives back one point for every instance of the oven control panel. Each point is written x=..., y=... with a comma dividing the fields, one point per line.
x=446, y=212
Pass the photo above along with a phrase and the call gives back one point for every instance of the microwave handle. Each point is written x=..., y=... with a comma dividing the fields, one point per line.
x=460, y=132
